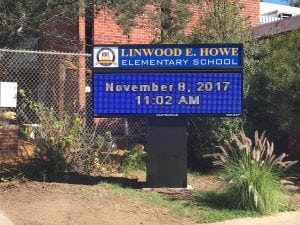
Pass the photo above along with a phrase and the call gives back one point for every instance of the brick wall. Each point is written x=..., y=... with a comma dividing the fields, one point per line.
x=61, y=34
x=8, y=140
x=251, y=10
x=106, y=31
x=65, y=35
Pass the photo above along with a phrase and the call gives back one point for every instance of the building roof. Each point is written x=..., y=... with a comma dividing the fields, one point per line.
x=276, y=27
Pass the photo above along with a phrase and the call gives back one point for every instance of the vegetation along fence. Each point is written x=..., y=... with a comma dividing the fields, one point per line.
x=61, y=83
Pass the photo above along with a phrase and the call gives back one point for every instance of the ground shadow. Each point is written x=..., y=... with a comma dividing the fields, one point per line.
x=73, y=178
x=10, y=171
x=218, y=200
x=214, y=199
x=294, y=176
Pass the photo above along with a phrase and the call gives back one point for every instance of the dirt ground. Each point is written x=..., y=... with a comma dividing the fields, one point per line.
x=34, y=203
x=72, y=203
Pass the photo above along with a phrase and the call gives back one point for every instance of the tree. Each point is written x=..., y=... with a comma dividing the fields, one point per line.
x=274, y=96
x=295, y=3
x=223, y=24
x=21, y=19
x=169, y=16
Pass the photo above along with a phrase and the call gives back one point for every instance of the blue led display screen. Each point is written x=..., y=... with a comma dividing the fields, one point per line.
x=167, y=94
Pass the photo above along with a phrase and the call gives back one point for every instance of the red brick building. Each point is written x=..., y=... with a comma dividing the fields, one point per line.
x=70, y=36
x=106, y=30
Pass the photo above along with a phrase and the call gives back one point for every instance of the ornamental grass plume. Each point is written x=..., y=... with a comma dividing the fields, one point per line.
x=253, y=173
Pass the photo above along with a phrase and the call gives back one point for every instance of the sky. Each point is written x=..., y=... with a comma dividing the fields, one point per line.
x=282, y=2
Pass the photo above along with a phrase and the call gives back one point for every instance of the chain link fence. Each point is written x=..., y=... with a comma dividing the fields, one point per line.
x=62, y=81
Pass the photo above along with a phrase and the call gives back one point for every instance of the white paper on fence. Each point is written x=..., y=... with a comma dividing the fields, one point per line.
x=8, y=94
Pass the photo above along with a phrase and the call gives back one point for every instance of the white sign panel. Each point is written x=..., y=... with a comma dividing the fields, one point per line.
x=8, y=94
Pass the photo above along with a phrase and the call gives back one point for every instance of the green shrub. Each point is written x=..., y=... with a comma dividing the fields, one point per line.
x=63, y=144
x=54, y=140
x=134, y=160
x=205, y=133
x=273, y=102
x=254, y=173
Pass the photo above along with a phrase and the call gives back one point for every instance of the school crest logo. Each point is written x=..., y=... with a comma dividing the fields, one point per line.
x=106, y=57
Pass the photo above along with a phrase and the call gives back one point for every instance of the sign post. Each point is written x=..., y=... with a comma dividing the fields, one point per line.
x=167, y=155
x=167, y=84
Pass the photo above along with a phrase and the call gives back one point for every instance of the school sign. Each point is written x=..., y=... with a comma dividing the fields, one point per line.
x=167, y=80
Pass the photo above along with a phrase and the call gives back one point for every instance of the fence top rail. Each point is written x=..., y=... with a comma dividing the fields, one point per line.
x=43, y=52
